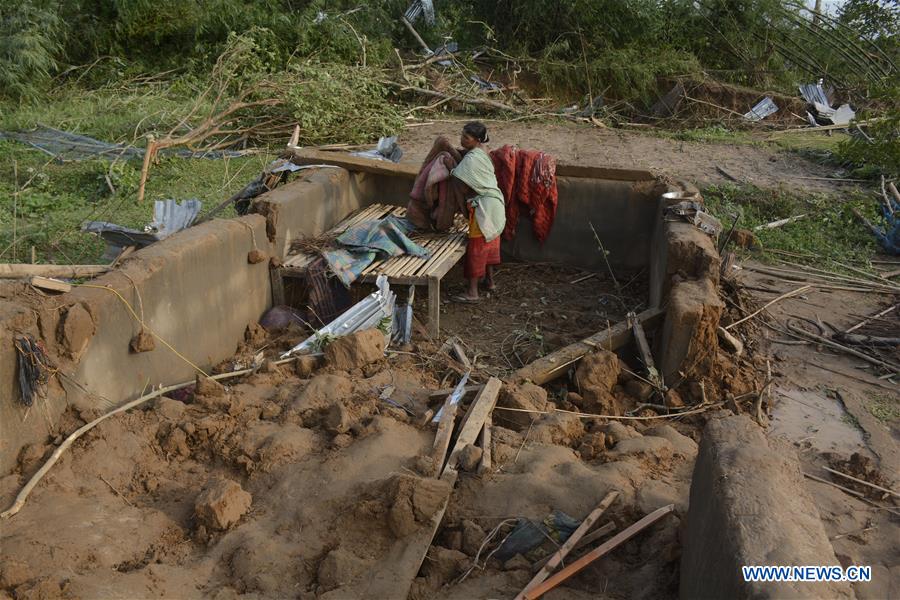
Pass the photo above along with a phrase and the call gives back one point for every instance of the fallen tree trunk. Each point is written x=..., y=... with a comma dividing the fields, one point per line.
x=16, y=271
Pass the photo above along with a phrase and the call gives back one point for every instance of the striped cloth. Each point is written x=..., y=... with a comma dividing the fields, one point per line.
x=365, y=242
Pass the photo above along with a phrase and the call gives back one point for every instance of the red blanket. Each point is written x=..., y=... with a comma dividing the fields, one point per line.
x=527, y=179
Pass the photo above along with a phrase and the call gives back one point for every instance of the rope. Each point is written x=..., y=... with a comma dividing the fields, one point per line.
x=145, y=326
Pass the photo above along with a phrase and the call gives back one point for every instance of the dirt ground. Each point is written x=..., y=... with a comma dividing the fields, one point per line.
x=309, y=483
x=696, y=162
x=534, y=310
x=831, y=407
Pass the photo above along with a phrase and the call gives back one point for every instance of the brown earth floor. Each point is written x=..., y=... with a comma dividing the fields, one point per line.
x=764, y=166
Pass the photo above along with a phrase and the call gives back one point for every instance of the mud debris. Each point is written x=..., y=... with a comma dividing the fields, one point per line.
x=221, y=504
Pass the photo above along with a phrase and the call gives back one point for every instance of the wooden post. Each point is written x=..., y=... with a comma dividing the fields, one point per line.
x=434, y=306
x=277, y=281
x=485, y=465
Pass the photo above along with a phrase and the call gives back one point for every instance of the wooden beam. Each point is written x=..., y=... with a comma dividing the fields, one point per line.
x=16, y=271
x=640, y=338
x=597, y=552
x=557, y=363
x=402, y=562
x=485, y=465
x=309, y=156
x=569, y=544
x=444, y=433
x=478, y=413
x=52, y=285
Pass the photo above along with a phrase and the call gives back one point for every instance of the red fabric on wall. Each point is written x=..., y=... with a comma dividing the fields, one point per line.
x=527, y=179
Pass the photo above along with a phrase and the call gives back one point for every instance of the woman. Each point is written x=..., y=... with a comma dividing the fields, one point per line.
x=487, y=214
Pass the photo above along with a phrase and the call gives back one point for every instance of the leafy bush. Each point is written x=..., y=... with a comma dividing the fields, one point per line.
x=28, y=46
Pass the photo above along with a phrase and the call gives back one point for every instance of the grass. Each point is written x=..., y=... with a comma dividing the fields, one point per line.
x=830, y=232
x=883, y=407
x=51, y=200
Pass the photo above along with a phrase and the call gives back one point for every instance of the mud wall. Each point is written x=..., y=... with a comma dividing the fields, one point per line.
x=621, y=212
x=684, y=278
x=748, y=506
x=197, y=290
x=307, y=206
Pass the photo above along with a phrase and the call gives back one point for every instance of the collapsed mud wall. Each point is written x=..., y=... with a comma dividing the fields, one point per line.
x=684, y=278
x=196, y=290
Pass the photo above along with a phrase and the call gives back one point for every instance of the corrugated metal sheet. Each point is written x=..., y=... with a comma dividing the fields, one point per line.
x=763, y=109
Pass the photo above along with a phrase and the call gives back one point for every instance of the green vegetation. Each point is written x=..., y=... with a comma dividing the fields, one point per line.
x=52, y=200
x=884, y=407
x=119, y=70
x=829, y=232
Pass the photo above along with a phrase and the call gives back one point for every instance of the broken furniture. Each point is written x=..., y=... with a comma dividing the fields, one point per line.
x=445, y=250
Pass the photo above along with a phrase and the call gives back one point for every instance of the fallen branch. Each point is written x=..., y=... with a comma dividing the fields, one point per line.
x=790, y=294
x=458, y=98
x=847, y=490
x=836, y=346
x=873, y=317
x=16, y=271
x=779, y=223
x=863, y=481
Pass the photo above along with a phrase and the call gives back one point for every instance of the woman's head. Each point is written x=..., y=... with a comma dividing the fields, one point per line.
x=473, y=135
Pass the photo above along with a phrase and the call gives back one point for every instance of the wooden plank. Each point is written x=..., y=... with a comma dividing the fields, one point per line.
x=16, y=271
x=556, y=363
x=276, y=278
x=443, y=435
x=441, y=269
x=569, y=544
x=436, y=259
x=52, y=285
x=597, y=552
x=640, y=339
x=603, y=530
x=485, y=466
x=306, y=156
x=479, y=411
x=396, y=572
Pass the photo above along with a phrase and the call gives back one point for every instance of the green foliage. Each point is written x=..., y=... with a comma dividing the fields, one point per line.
x=51, y=200
x=830, y=230
x=884, y=407
x=879, y=154
x=28, y=46
x=334, y=102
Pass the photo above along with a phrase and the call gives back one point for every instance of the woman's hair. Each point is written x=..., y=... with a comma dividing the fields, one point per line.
x=478, y=131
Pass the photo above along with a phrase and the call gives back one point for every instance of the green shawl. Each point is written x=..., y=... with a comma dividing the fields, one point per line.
x=477, y=171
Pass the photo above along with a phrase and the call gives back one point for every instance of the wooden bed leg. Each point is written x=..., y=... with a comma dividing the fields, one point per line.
x=277, y=278
x=434, y=306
